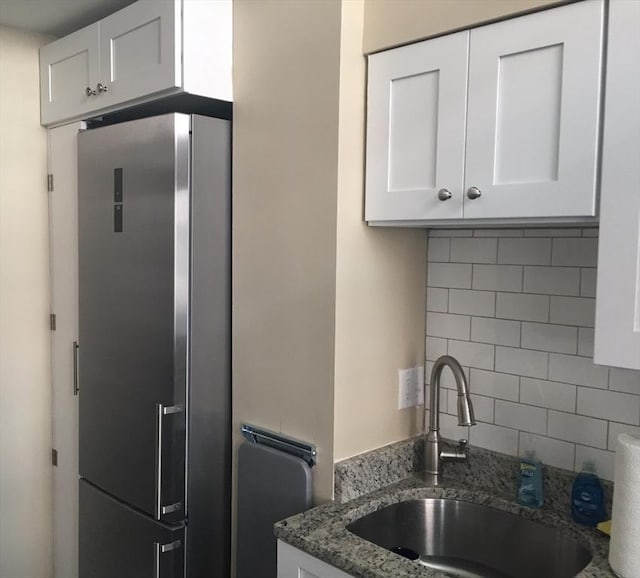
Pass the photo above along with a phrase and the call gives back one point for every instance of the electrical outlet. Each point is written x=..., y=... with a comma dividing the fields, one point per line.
x=410, y=387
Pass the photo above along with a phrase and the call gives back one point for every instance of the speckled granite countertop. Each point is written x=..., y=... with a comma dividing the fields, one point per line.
x=321, y=531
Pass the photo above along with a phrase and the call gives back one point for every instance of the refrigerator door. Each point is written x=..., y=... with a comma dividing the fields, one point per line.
x=126, y=543
x=133, y=214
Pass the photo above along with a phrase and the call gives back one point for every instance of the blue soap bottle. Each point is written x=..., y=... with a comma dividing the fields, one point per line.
x=530, y=482
x=587, y=497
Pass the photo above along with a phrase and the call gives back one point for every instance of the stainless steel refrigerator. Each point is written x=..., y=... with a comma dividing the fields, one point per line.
x=154, y=348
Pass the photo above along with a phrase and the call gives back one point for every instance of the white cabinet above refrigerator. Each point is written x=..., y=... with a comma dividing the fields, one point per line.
x=144, y=51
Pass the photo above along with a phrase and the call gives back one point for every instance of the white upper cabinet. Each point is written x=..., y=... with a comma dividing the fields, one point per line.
x=504, y=117
x=69, y=74
x=533, y=116
x=137, y=54
x=617, y=329
x=140, y=50
x=416, y=118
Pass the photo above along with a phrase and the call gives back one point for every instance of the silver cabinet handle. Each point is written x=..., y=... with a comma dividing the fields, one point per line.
x=101, y=88
x=161, y=549
x=89, y=91
x=473, y=192
x=161, y=411
x=76, y=387
x=444, y=195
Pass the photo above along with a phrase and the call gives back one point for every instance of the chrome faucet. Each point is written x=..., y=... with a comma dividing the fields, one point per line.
x=433, y=455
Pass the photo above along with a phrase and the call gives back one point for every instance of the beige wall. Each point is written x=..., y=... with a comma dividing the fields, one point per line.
x=284, y=220
x=25, y=400
x=394, y=22
x=380, y=283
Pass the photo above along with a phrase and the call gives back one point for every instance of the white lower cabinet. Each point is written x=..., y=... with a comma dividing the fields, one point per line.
x=294, y=563
x=617, y=329
x=146, y=50
x=498, y=122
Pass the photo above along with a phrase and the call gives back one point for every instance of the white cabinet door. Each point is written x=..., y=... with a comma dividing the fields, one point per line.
x=617, y=330
x=533, y=116
x=415, y=130
x=68, y=67
x=294, y=563
x=140, y=50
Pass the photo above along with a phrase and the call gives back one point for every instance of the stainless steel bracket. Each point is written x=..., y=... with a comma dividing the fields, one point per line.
x=289, y=445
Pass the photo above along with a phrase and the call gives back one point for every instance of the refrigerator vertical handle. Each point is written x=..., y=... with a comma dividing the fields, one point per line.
x=161, y=549
x=76, y=387
x=161, y=411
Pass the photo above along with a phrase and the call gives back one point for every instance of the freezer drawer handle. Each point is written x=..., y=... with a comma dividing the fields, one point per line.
x=172, y=508
x=161, y=411
x=161, y=549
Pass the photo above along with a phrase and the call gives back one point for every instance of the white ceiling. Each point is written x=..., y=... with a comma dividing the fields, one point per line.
x=56, y=17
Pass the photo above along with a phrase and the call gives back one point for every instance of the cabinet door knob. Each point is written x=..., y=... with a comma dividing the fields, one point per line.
x=89, y=91
x=444, y=195
x=101, y=88
x=473, y=192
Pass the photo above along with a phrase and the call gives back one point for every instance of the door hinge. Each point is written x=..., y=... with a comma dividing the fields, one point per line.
x=49, y=183
x=54, y=457
x=52, y=322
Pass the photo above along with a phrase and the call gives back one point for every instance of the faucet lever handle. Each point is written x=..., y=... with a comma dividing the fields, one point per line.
x=462, y=445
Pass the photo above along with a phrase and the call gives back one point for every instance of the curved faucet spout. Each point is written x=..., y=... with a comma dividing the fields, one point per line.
x=433, y=457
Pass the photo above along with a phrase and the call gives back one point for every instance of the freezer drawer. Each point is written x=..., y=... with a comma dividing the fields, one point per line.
x=116, y=540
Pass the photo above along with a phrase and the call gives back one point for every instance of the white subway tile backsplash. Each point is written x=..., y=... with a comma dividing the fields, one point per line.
x=449, y=275
x=474, y=250
x=516, y=307
x=522, y=362
x=447, y=325
x=522, y=306
x=578, y=429
x=626, y=380
x=437, y=299
x=588, y=280
x=524, y=251
x=496, y=331
x=577, y=370
x=498, y=233
x=552, y=233
x=521, y=417
x=450, y=232
x=497, y=277
x=609, y=405
x=471, y=302
x=615, y=429
x=496, y=385
x=575, y=252
x=546, y=337
x=585, y=341
x=435, y=347
x=438, y=249
x=549, y=451
x=580, y=311
x=552, y=280
x=602, y=460
x=468, y=353
x=550, y=394
x=495, y=438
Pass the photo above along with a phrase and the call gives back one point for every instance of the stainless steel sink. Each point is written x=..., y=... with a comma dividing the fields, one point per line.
x=472, y=541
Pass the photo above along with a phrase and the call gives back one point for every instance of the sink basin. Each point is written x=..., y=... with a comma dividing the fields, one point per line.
x=472, y=541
